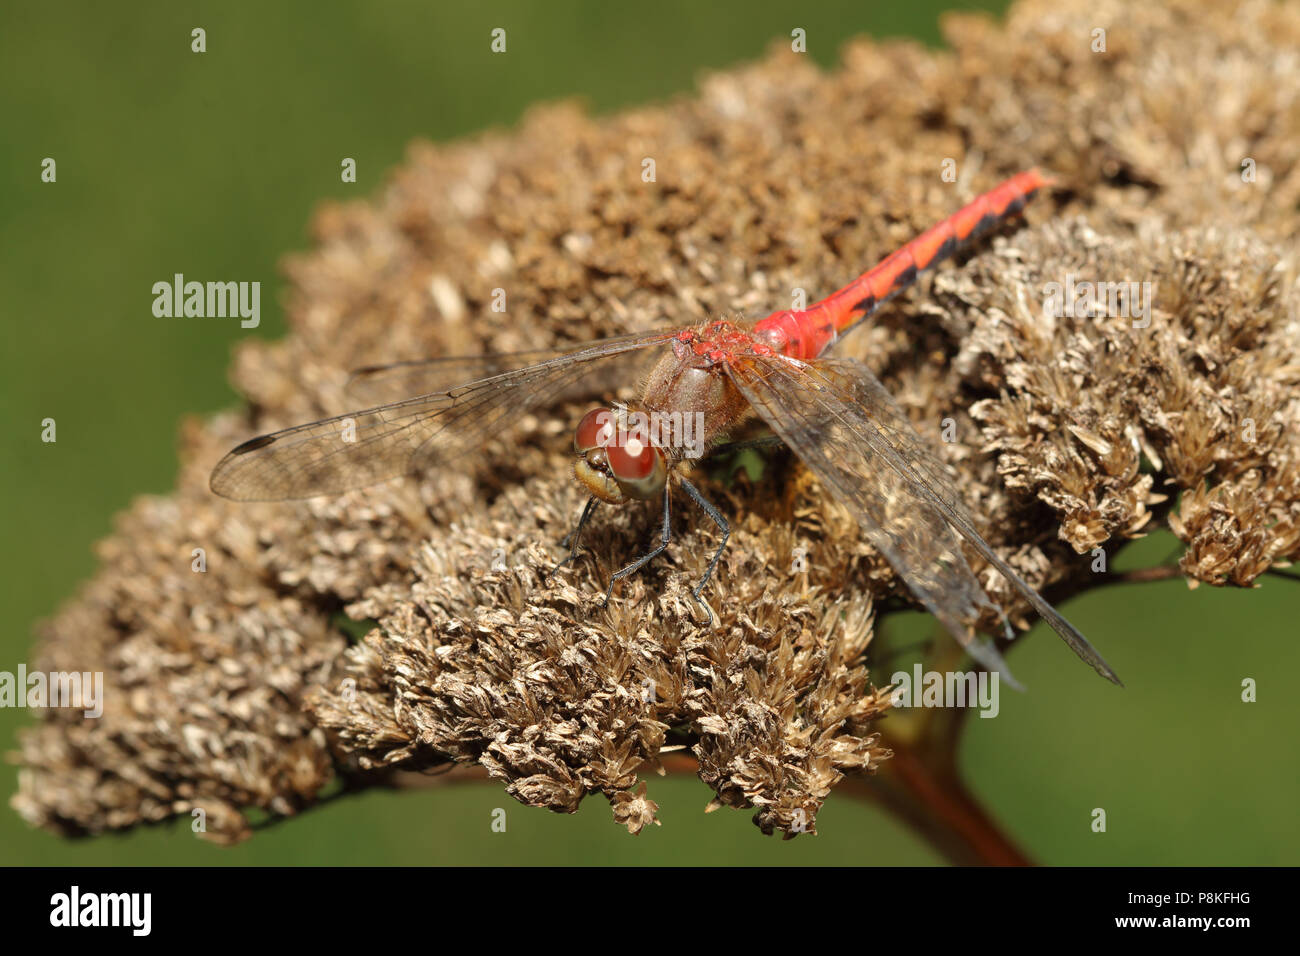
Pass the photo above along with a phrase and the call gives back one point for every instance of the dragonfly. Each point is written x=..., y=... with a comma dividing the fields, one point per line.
x=710, y=378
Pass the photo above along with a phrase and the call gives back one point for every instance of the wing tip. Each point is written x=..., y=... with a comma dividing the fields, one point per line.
x=1075, y=640
x=253, y=444
x=986, y=654
x=1105, y=670
x=221, y=483
x=1085, y=651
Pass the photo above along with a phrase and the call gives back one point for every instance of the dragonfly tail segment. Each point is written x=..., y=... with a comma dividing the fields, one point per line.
x=809, y=332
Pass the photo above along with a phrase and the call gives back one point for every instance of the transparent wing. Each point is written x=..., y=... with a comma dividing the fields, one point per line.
x=848, y=429
x=364, y=447
x=380, y=384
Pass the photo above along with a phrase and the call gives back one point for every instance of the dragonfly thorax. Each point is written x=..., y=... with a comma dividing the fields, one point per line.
x=617, y=458
x=691, y=388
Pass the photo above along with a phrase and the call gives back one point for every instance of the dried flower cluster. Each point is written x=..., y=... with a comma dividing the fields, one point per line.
x=233, y=689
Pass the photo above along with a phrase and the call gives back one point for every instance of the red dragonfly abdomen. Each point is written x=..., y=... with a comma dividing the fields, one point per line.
x=807, y=333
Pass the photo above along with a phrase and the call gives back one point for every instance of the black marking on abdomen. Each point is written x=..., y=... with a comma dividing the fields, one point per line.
x=253, y=444
x=948, y=247
x=906, y=277
x=866, y=305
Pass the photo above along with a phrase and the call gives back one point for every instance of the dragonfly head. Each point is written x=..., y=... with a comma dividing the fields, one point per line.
x=616, y=459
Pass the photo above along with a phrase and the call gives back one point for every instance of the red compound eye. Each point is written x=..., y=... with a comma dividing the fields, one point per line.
x=634, y=460
x=618, y=445
x=596, y=430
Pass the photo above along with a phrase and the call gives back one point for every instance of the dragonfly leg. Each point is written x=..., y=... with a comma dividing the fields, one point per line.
x=720, y=521
x=664, y=537
x=574, y=535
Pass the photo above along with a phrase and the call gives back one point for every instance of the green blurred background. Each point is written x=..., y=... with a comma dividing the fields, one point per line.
x=211, y=164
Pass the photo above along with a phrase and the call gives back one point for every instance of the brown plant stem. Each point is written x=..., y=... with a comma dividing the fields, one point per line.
x=927, y=793
x=921, y=785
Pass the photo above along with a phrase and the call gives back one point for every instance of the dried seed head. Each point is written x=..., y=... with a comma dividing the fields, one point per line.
x=233, y=689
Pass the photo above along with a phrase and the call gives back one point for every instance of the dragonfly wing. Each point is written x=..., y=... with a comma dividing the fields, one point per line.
x=364, y=447
x=379, y=384
x=848, y=429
